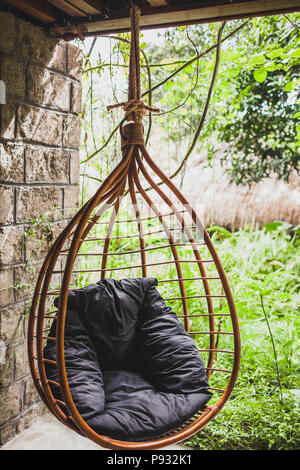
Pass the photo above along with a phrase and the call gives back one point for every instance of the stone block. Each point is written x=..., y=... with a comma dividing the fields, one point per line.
x=7, y=432
x=8, y=119
x=39, y=125
x=74, y=168
x=32, y=203
x=11, y=323
x=58, y=60
x=35, y=45
x=29, y=417
x=7, y=31
x=21, y=361
x=71, y=131
x=48, y=89
x=25, y=280
x=7, y=369
x=44, y=165
x=74, y=61
x=6, y=287
x=31, y=393
x=27, y=307
x=12, y=72
x=76, y=96
x=6, y=204
x=11, y=163
x=71, y=200
x=10, y=402
x=11, y=244
x=38, y=241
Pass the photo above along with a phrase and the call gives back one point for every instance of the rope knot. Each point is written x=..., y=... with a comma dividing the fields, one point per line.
x=134, y=109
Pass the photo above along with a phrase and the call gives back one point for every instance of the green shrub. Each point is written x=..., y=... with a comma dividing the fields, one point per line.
x=263, y=412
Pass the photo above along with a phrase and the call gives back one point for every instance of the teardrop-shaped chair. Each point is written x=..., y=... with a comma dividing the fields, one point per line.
x=138, y=224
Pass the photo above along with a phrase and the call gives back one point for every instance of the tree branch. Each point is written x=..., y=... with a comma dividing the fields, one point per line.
x=192, y=88
x=193, y=59
x=149, y=102
x=208, y=98
x=292, y=23
x=179, y=69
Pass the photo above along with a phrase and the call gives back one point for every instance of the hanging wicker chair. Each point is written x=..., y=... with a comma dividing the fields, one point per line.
x=174, y=247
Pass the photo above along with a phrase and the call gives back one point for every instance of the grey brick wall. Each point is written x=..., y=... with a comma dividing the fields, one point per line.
x=39, y=174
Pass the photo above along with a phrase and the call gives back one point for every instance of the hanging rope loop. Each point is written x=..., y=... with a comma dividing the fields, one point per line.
x=135, y=109
x=134, y=81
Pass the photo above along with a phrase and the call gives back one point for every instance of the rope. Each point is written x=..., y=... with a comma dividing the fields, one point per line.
x=134, y=108
x=134, y=84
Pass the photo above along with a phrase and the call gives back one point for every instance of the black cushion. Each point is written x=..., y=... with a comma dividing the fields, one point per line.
x=171, y=359
x=133, y=371
x=135, y=409
x=83, y=370
x=109, y=311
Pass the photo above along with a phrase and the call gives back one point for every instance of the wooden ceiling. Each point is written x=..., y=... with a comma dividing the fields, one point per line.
x=82, y=18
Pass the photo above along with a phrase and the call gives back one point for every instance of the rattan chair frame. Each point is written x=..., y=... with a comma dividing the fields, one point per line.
x=129, y=171
x=111, y=190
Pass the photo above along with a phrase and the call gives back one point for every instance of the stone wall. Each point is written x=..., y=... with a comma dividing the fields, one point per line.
x=39, y=174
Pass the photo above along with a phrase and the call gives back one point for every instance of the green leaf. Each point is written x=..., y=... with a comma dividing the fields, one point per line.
x=258, y=59
x=273, y=226
x=169, y=85
x=265, y=291
x=283, y=296
x=271, y=65
x=290, y=86
x=222, y=230
x=296, y=53
x=275, y=53
x=189, y=68
x=260, y=74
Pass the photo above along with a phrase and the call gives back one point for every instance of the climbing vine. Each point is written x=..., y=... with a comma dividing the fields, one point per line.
x=205, y=79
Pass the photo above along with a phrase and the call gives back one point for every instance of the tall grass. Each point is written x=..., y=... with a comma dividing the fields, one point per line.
x=263, y=267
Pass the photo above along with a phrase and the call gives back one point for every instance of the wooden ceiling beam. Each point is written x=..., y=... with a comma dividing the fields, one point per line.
x=68, y=7
x=96, y=4
x=159, y=3
x=193, y=13
x=90, y=7
x=79, y=18
x=37, y=9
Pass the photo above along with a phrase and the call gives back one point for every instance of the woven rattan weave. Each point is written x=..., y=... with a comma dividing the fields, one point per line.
x=138, y=224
